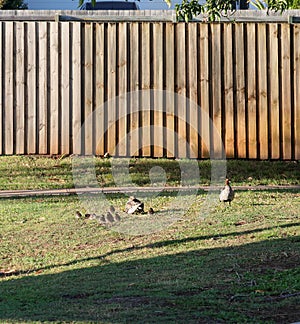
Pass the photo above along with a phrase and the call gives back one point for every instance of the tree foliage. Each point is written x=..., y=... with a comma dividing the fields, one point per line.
x=214, y=9
x=294, y=4
x=271, y=5
x=12, y=4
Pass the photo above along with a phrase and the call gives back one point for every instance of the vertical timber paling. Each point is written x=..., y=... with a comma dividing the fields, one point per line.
x=240, y=91
x=32, y=87
x=65, y=88
x=8, y=104
x=205, y=101
x=157, y=107
x=262, y=92
x=99, y=112
x=251, y=90
x=286, y=92
x=144, y=113
x=88, y=89
x=170, y=88
x=122, y=95
x=228, y=91
x=76, y=88
x=20, y=88
x=274, y=91
x=193, y=121
x=181, y=102
x=297, y=91
x=134, y=87
x=216, y=94
x=43, y=107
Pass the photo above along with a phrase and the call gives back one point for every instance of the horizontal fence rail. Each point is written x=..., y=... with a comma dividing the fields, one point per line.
x=288, y=16
x=57, y=76
x=91, y=15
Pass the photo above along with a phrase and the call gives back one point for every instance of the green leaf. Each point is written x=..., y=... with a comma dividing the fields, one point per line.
x=258, y=4
x=168, y=2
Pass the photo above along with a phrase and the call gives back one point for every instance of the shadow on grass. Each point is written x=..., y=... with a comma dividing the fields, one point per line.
x=156, y=245
x=30, y=172
x=248, y=283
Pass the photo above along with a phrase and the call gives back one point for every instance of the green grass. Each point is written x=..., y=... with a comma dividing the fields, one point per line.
x=239, y=264
x=30, y=172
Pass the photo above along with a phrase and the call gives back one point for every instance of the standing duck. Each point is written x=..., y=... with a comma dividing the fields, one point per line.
x=134, y=205
x=227, y=194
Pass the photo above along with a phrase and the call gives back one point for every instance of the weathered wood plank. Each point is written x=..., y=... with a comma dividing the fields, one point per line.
x=286, y=91
x=144, y=131
x=88, y=89
x=76, y=84
x=43, y=87
x=217, y=91
x=8, y=86
x=32, y=88
x=158, y=87
x=170, y=122
x=262, y=92
x=134, y=86
x=274, y=91
x=297, y=91
x=240, y=90
x=54, y=89
x=122, y=95
x=2, y=90
x=111, y=87
x=181, y=89
x=251, y=91
x=204, y=88
x=228, y=92
x=20, y=88
x=65, y=88
x=137, y=15
x=99, y=96
x=193, y=90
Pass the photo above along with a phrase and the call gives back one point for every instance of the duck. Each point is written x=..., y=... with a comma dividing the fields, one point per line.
x=227, y=194
x=134, y=205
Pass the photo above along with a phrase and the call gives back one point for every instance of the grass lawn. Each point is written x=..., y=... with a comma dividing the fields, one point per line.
x=240, y=264
x=30, y=172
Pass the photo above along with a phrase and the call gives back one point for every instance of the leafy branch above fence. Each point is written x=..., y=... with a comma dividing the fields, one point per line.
x=215, y=9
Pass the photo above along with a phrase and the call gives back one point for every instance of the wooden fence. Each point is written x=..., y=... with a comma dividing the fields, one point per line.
x=245, y=76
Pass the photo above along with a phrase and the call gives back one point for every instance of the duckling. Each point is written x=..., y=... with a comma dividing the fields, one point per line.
x=150, y=211
x=93, y=216
x=109, y=218
x=117, y=217
x=101, y=219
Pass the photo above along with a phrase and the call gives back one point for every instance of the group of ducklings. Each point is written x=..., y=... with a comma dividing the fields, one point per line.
x=133, y=206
